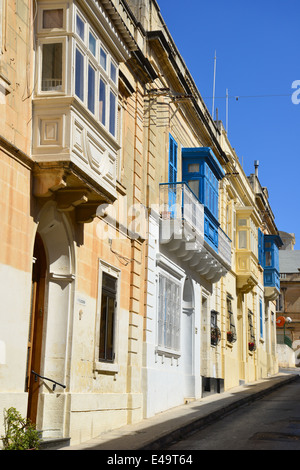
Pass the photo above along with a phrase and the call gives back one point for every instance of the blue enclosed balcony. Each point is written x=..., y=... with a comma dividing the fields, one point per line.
x=185, y=233
x=269, y=259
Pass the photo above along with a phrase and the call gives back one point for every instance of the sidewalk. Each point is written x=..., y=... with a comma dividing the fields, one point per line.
x=162, y=429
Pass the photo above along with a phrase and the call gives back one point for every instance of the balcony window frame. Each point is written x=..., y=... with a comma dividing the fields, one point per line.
x=48, y=7
x=41, y=43
x=110, y=123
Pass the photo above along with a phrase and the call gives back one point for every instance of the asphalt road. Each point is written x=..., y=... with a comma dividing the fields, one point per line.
x=271, y=423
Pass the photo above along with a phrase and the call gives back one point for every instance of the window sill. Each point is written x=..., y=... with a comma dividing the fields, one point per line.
x=106, y=367
x=167, y=352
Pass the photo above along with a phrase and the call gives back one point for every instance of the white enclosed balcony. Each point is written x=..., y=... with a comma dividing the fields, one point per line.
x=182, y=232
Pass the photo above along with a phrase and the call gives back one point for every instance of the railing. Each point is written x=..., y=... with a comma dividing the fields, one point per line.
x=52, y=84
x=177, y=201
x=283, y=339
x=36, y=375
x=224, y=246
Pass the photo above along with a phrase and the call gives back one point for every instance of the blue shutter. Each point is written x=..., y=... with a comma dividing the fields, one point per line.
x=172, y=174
x=172, y=160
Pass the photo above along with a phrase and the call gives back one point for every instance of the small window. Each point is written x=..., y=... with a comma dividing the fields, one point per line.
x=251, y=336
x=112, y=113
x=193, y=168
x=242, y=239
x=52, y=67
x=194, y=185
x=242, y=222
x=80, y=27
x=103, y=58
x=53, y=19
x=230, y=324
x=215, y=332
x=102, y=102
x=91, y=89
x=268, y=258
x=79, y=74
x=107, y=320
x=92, y=44
x=261, y=323
x=113, y=72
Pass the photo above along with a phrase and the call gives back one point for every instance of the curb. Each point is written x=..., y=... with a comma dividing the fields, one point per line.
x=198, y=423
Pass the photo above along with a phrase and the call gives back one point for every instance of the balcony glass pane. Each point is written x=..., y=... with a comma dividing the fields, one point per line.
x=52, y=67
x=53, y=18
x=242, y=239
x=79, y=71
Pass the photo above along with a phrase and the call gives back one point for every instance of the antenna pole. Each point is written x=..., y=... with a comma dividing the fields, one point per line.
x=227, y=110
x=214, y=85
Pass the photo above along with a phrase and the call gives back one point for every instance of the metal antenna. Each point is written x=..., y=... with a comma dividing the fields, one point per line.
x=214, y=85
x=227, y=110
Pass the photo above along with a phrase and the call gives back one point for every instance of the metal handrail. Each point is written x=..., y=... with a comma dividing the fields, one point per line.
x=46, y=378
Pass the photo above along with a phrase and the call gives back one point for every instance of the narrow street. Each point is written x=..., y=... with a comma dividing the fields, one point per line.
x=272, y=423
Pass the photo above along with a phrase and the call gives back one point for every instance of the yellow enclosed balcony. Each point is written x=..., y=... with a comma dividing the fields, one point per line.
x=247, y=249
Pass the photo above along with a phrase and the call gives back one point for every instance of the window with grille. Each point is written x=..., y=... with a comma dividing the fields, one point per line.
x=107, y=318
x=215, y=332
x=231, y=329
x=251, y=335
x=169, y=309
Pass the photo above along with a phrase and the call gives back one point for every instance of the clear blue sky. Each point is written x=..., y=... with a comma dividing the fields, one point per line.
x=257, y=44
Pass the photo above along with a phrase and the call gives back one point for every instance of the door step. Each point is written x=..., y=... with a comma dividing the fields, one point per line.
x=55, y=443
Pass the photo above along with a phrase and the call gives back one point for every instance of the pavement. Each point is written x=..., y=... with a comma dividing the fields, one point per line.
x=159, y=431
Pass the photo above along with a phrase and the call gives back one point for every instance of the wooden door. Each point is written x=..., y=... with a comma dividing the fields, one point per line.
x=36, y=327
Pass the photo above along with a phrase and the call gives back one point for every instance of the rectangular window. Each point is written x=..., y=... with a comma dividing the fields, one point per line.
x=261, y=323
x=107, y=319
x=215, y=332
x=91, y=89
x=112, y=113
x=102, y=102
x=113, y=72
x=80, y=27
x=268, y=255
x=168, y=313
x=52, y=67
x=79, y=75
x=193, y=168
x=242, y=239
x=53, y=18
x=251, y=336
x=231, y=329
x=103, y=58
x=92, y=44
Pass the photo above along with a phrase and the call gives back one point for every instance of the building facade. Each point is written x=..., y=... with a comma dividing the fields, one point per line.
x=288, y=304
x=133, y=263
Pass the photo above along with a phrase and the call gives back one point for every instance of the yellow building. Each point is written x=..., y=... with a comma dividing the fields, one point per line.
x=130, y=268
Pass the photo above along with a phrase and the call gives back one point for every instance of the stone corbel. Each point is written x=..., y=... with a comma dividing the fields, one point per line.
x=47, y=182
x=67, y=200
x=85, y=213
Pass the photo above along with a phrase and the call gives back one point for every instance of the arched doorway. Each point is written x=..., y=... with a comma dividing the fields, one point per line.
x=38, y=285
x=188, y=309
x=51, y=325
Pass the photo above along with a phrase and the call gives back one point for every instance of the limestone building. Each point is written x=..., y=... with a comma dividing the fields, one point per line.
x=133, y=273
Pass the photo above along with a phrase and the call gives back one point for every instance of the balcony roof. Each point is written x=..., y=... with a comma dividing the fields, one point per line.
x=206, y=154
